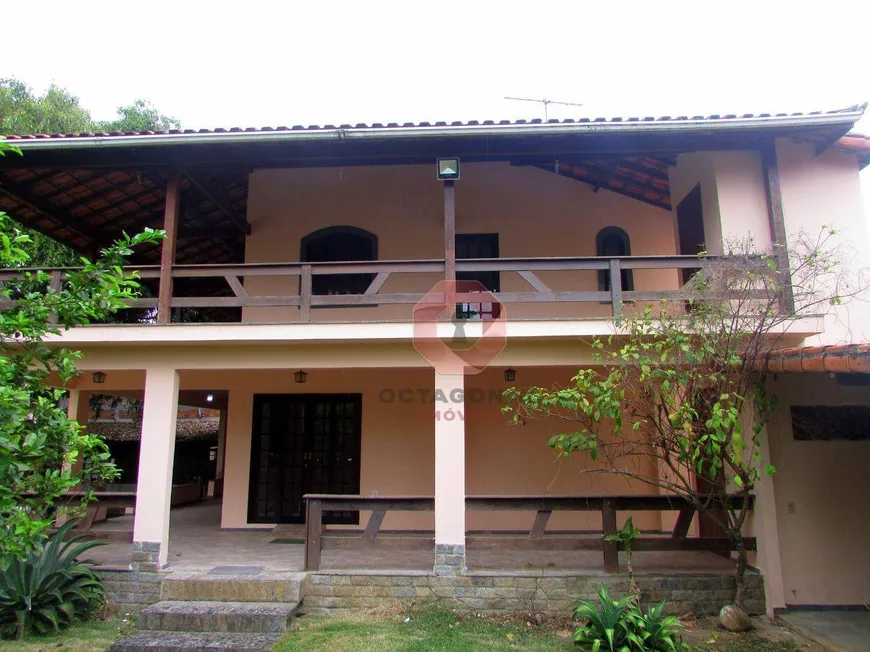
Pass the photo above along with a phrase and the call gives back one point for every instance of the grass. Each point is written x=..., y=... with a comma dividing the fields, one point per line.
x=438, y=630
x=427, y=631
x=89, y=636
x=749, y=644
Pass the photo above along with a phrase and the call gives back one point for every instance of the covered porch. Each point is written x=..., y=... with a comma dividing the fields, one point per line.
x=198, y=544
x=413, y=470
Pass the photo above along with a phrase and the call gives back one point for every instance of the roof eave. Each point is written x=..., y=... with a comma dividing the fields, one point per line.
x=758, y=123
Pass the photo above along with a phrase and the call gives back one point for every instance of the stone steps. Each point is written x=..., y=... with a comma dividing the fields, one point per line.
x=227, y=617
x=195, y=641
x=218, y=611
x=263, y=587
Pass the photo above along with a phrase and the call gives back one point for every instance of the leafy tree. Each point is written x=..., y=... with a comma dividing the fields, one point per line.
x=57, y=111
x=39, y=446
x=141, y=115
x=678, y=399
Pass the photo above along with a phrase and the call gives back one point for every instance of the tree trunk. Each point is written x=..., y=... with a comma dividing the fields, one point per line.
x=739, y=571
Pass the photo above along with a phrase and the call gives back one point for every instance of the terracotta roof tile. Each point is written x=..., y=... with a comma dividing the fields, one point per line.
x=843, y=358
x=459, y=123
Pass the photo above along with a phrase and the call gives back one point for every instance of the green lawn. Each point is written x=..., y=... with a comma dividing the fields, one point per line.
x=91, y=636
x=427, y=631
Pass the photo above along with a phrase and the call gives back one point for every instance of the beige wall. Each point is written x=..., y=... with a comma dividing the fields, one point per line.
x=825, y=190
x=398, y=443
x=535, y=213
x=821, y=499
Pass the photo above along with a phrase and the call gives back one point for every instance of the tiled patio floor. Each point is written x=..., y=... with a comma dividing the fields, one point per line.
x=196, y=542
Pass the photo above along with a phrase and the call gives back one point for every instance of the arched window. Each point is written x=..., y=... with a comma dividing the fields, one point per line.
x=613, y=241
x=335, y=244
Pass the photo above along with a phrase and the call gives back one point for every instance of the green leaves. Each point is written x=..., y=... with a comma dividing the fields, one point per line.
x=36, y=438
x=620, y=625
x=48, y=588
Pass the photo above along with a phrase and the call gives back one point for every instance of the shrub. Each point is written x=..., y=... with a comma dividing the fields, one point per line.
x=621, y=626
x=49, y=588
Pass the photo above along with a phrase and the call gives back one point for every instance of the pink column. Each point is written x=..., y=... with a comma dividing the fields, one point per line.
x=157, y=450
x=449, y=473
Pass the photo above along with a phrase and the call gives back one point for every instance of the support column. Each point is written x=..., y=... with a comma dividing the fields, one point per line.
x=77, y=409
x=167, y=252
x=765, y=527
x=156, y=456
x=221, y=454
x=449, y=474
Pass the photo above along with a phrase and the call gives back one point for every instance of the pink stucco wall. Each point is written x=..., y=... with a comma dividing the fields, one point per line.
x=535, y=213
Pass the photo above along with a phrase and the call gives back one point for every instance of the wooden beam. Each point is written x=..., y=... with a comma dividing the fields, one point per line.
x=540, y=524
x=21, y=194
x=220, y=198
x=305, y=290
x=167, y=253
x=532, y=279
x=313, y=534
x=450, y=245
x=776, y=218
x=608, y=525
x=374, y=524
x=615, y=287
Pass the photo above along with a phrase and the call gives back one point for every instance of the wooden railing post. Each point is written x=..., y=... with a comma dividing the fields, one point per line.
x=615, y=287
x=313, y=532
x=306, y=286
x=167, y=252
x=450, y=247
x=611, y=549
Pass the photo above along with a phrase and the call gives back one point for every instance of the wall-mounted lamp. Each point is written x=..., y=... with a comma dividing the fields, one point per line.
x=209, y=398
x=301, y=376
x=510, y=375
x=99, y=377
x=448, y=169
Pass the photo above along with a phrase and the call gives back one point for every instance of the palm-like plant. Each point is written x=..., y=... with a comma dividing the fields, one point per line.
x=50, y=587
x=651, y=630
x=606, y=627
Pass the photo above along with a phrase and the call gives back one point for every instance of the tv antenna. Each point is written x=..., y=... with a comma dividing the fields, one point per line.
x=546, y=103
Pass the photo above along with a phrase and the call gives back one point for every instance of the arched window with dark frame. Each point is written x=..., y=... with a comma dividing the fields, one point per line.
x=613, y=241
x=340, y=244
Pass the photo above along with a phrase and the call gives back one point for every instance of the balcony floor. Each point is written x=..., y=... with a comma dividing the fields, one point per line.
x=197, y=543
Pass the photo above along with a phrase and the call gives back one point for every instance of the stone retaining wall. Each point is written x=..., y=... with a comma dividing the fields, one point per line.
x=486, y=592
x=129, y=591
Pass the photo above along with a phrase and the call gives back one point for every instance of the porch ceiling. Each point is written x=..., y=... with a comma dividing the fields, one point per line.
x=88, y=209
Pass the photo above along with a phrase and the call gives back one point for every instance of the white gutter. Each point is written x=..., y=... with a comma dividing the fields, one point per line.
x=398, y=133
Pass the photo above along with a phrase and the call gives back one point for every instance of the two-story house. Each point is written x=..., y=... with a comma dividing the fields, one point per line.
x=286, y=290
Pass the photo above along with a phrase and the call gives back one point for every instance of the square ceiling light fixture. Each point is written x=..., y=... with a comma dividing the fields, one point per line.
x=448, y=169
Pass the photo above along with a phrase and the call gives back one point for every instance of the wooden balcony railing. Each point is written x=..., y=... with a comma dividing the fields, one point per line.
x=318, y=539
x=235, y=294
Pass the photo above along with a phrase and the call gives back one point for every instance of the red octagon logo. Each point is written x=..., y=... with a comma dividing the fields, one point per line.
x=466, y=345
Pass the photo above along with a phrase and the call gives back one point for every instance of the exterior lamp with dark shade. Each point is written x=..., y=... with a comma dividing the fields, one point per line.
x=510, y=375
x=99, y=377
x=301, y=376
x=448, y=169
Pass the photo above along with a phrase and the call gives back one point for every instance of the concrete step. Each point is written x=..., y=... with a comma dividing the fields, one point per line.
x=195, y=641
x=262, y=587
x=230, y=617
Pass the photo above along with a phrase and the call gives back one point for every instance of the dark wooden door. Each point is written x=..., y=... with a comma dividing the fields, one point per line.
x=303, y=444
x=477, y=245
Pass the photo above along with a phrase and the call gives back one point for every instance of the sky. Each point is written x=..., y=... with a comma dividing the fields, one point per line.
x=257, y=63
